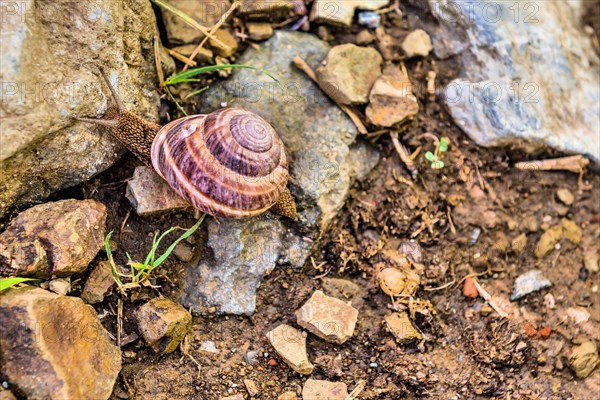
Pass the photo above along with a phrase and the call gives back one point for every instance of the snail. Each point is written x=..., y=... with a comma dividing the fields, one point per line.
x=230, y=163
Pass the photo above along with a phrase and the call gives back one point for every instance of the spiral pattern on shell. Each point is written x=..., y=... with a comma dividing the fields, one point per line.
x=228, y=163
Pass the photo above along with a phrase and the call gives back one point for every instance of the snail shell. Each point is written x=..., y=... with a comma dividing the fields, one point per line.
x=228, y=163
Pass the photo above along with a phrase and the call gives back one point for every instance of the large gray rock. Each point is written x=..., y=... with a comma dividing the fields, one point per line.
x=324, y=163
x=530, y=74
x=49, y=74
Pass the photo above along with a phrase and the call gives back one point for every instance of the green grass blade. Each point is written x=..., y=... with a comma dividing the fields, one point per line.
x=175, y=101
x=111, y=261
x=188, y=233
x=10, y=282
x=183, y=76
x=150, y=256
x=195, y=92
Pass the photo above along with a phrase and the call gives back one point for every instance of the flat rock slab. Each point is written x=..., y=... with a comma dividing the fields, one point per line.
x=523, y=84
x=54, y=347
x=151, y=194
x=53, y=239
x=327, y=317
x=290, y=344
x=163, y=323
x=324, y=390
x=324, y=163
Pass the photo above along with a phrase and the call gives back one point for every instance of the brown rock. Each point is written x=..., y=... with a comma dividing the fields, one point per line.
x=290, y=344
x=53, y=239
x=400, y=325
x=7, y=395
x=565, y=196
x=54, y=347
x=349, y=72
x=571, y=231
x=60, y=286
x=327, y=317
x=163, y=323
x=391, y=100
x=548, y=241
x=417, y=44
x=364, y=37
x=229, y=41
x=98, y=283
x=584, y=359
x=519, y=243
x=183, y=252
x=251, y=387
x=259, y=30
x=324, y=390
x=206, y=13
x=150, y=194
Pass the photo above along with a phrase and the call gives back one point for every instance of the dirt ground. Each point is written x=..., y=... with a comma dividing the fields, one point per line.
x=467, y=351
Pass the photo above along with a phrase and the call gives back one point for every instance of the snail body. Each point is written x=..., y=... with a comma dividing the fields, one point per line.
x=229, y=163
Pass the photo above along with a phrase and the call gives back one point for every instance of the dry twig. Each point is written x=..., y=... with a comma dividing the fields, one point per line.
x=360, y=386
x=403, y=153
x=488, y=297
x=187, y=61
x=213, y=30
x=158, y=62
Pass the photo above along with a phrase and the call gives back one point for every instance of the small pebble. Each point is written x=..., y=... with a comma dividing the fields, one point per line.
x=529, y=282
x=565, y=196
x=209, y=346
x=549, y=301
x=373, y=365
x=184, y=252
x=364, y=37
x=584, y=359
x=60, y=286
x=584, y=273
x=251, y=357
x=369, y=19
x=288, y=396
x=474, y=236
x=417, y=43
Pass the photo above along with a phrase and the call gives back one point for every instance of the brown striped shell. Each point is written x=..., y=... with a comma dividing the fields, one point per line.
x=228, y=163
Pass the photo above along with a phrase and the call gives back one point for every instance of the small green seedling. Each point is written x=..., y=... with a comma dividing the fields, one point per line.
x=436, y=158
x=10, y=282
x=140, y=272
